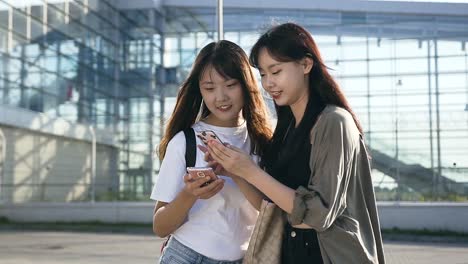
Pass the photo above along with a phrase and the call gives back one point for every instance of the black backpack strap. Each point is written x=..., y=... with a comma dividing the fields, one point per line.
x=190, y=147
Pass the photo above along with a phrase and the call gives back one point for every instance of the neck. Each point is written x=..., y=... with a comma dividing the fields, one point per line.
x=298, y=108
x=235, y=122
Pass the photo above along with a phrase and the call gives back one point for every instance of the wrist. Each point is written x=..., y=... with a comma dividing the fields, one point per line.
x=236, y=179
x=188, y=196
x=251, y=172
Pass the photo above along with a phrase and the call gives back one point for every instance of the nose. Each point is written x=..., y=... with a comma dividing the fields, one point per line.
x=221, y=95
x=267, y=82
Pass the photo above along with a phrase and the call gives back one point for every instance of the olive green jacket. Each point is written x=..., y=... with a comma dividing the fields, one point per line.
x=339, y=201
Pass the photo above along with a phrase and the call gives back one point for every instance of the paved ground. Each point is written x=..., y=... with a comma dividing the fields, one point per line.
x=39, y=247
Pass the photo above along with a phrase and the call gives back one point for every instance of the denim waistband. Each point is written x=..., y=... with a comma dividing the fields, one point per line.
x=191, y=256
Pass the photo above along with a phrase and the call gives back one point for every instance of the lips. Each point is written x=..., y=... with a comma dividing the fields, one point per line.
x=224, y=108
x=276, y=95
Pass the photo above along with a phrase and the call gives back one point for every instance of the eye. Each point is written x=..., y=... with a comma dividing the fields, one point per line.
x=232, y=84
x=276, y=72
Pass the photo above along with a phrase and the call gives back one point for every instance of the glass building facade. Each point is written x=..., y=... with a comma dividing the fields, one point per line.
x=93, y=62
x=85, y=62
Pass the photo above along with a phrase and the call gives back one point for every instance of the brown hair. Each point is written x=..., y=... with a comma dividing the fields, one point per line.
x=230, y=61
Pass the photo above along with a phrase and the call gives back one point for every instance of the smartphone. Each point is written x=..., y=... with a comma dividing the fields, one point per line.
x=208, y=135
x=202, y=172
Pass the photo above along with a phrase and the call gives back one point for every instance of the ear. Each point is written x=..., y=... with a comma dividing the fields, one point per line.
x=307, y=64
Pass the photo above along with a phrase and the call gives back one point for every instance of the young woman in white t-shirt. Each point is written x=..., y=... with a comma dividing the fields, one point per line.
x=210, y=223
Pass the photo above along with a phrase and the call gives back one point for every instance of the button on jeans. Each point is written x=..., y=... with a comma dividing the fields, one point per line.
x=177, y=253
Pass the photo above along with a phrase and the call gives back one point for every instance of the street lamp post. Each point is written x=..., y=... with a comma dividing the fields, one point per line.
x=3, y=165
x=219, y=14
x=93, y=163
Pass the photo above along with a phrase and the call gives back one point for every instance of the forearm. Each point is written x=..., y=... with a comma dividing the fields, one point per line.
x=252, y=194
x=171, y=216
x=280, y=194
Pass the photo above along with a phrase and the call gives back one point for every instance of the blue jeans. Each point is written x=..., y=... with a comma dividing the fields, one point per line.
x=177, y=253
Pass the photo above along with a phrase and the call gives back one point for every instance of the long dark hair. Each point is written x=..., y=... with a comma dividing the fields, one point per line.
x=230, y=61
x=291, y=42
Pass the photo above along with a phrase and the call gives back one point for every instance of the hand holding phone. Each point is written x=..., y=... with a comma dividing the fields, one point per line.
x=202, y=172
x=200, y=182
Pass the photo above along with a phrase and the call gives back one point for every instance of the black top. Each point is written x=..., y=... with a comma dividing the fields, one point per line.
x=293, y=170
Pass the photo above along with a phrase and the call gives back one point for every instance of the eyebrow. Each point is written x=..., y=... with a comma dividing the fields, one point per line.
x=271, y=66
x=227, y=81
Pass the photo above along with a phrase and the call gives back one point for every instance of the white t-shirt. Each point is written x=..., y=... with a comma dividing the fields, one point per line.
x=219, y=227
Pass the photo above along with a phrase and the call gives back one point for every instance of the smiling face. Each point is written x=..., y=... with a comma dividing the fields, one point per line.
x=286, y=82
x=223, y=98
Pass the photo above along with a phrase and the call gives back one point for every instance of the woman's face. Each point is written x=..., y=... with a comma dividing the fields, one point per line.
x=286, y=82
x=222, y=96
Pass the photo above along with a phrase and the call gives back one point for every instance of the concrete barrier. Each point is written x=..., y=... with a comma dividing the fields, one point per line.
x=107, y=212
x=402, y=215
x=431, y=216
